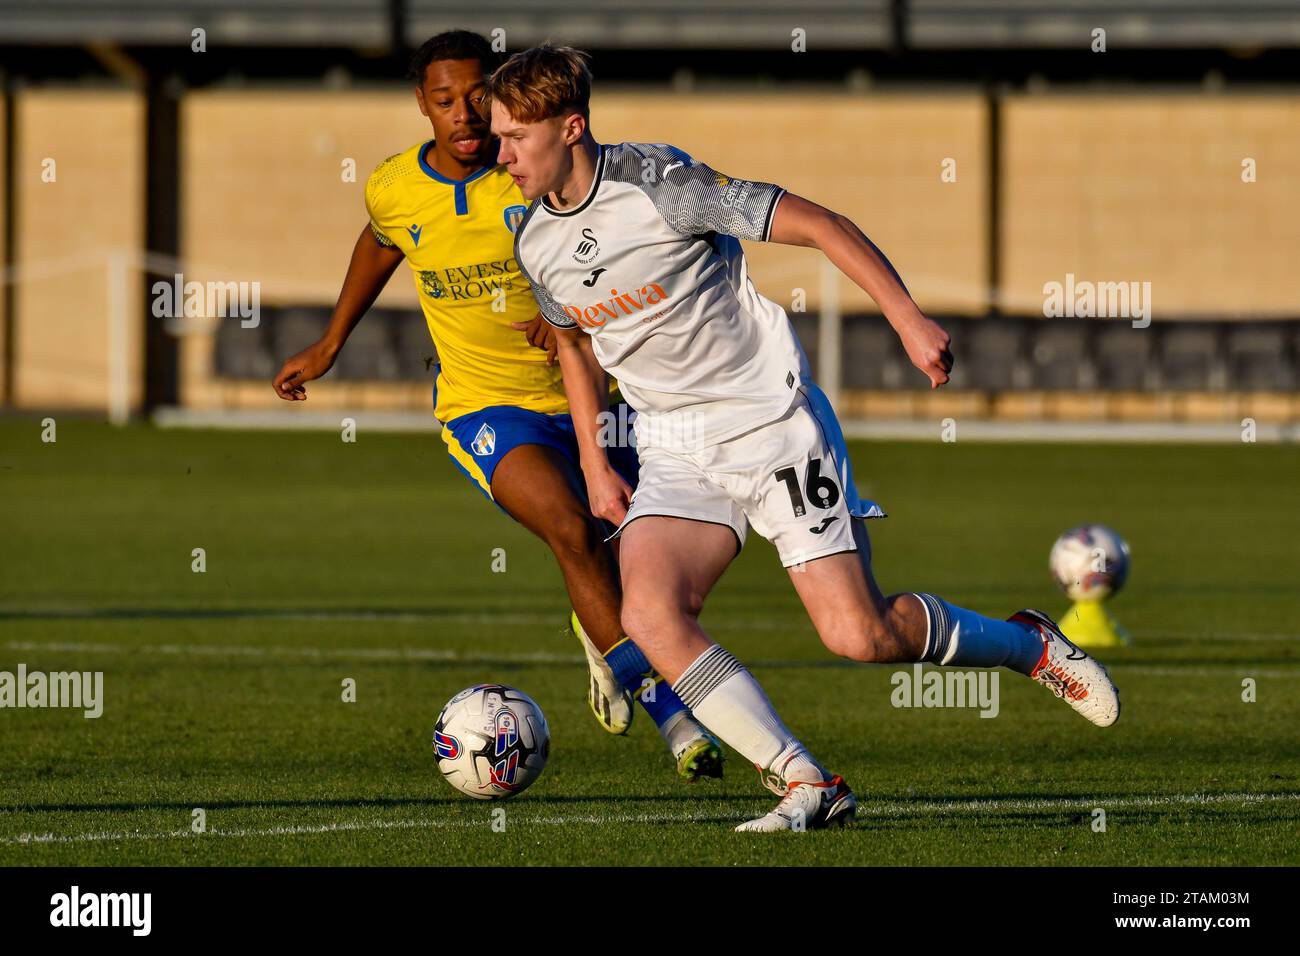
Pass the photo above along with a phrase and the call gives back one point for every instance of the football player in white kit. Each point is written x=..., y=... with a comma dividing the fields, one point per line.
x=633, y=253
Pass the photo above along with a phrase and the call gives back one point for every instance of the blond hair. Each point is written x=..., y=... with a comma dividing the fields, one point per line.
x=541, y=83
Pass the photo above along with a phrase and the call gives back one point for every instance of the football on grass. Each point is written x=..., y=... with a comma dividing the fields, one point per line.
x=491, y=741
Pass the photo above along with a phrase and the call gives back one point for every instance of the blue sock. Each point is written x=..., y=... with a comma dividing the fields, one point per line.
x=633, y=671
x=961, y=637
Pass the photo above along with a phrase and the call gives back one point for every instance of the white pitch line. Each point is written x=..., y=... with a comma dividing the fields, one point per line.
x=1204, y=669
x=1227, y=636
x=977, y=804
x=312, y=829
x=866, y=808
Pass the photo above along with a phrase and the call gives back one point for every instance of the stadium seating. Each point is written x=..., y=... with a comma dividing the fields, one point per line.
x=370, y=354
x=621, y=23
x=246, y=353
x=230, y=22
x=1069, y=23
x=1059, y=357
x=993, y=354
x=291, y=330
x=1258, y=357
x=415, y=351
x=1123, y=357
x=877, y=358
x=1189, y=358
x=995, y=358
x=738, y=24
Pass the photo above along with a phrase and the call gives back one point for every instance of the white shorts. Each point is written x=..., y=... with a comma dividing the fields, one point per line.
x=791, y=479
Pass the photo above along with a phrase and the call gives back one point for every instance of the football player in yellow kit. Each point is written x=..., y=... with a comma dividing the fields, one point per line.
x=450, y=211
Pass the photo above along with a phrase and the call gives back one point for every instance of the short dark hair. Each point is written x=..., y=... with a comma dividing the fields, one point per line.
x=453, y=45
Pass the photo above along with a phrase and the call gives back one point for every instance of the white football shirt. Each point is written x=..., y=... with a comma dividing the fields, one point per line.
x=649, y=264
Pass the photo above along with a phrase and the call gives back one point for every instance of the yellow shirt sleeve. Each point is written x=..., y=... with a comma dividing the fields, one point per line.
x=375, y=206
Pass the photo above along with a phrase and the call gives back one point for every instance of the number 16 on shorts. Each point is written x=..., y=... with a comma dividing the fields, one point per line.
x=817, y=488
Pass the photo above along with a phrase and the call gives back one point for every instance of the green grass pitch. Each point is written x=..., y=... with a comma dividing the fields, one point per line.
x=373, y=561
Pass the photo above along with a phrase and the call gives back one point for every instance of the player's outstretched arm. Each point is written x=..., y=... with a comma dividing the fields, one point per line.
x=588, y=390
x=369, y=271
x=800, y=222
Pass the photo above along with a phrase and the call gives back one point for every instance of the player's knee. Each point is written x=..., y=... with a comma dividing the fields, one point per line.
x=572, y=535
x=692, y=604
x=640, y=618
x=645, y=617
x=858, y=637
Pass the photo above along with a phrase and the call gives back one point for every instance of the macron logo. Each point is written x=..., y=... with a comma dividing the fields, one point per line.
x=415, y=233
x=103, y=909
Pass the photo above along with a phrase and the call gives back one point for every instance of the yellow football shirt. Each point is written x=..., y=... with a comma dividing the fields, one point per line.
x=458, y=238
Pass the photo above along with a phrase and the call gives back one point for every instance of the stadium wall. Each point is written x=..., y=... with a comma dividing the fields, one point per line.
x=70, y=217
x=6, y=254
x=1112, y=187
x=1123, y=188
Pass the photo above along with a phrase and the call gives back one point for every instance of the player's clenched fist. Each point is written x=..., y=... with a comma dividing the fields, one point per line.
x=927, y=346
x=310, y=363
x=609, y=495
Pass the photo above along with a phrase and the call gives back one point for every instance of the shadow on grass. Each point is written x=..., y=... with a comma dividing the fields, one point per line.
x=226, y=613
x=375, y=802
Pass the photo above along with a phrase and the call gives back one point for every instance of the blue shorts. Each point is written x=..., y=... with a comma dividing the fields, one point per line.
x=478, y=441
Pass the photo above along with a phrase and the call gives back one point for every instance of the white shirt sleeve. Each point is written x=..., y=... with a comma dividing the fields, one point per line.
x=694, y=198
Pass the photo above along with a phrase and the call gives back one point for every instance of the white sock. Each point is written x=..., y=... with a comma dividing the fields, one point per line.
x=725, y=698
x=678, y=730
